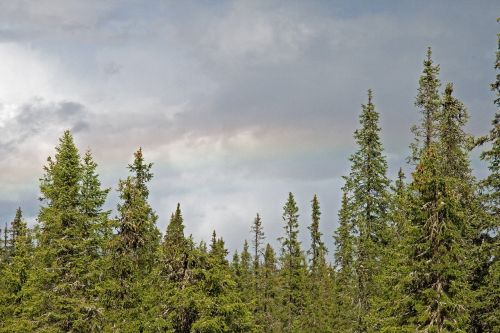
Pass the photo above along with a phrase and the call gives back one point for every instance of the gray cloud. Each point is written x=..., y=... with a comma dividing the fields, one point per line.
x=236, y=102
x=38, y=116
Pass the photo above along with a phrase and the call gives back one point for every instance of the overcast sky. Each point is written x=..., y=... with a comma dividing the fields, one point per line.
x=235, y=103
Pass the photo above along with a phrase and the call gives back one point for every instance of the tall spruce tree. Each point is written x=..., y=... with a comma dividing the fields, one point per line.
x=59, y=287
x=441, y=212
x=293, y=270
x=317, y=316
x=367, y=189
x=134, y=251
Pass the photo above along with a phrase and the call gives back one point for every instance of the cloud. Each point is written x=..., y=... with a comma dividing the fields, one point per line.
x=236, y=103
x=32, y=119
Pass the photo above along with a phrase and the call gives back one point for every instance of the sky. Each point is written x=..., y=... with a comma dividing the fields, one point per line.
x=236, y=103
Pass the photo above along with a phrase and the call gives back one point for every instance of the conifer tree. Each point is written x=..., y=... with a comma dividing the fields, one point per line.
x=14, y=275
x=257, y=279
x=268, y=316
x=59, y=287
x=441, y=212
x=134, y=251
x=486, y=316
x=246, y=261
x=293, y=268
x=235, y=265
x=257, y=241
x=6, y=242
x=388, y=301
x=367, y=189
x=175, y=248
x=220, y=308
x=318, y=249
x=319, y=298
x=245, y=278
x=345, y=316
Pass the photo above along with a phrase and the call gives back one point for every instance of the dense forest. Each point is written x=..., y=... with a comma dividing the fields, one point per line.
x=414, y=254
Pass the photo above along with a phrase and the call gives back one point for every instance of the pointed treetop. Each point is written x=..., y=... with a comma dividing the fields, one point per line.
x=257, y=239
x=174, y=235
x=428, y=103
x=141, y=172
x=318, y=249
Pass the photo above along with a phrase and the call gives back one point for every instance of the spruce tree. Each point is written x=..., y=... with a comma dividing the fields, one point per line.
x=220, y=308
x=317, y=316
x=134, y=251
x=442, y=209
x=388, y=301
x=318, y=250
x=59, y=286
x=14, y=275
x=293, y=268
x=486, y=317
x=245, y=279
x=345, y=296
x=257, y=241
x=175, y=248
x=367, y=190
x=268, y=315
